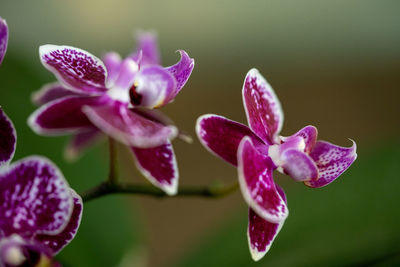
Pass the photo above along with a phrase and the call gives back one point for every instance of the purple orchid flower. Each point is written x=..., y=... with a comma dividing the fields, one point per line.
x=40, y=213
x=258, y=150
x=3, y=38
x=116, y=97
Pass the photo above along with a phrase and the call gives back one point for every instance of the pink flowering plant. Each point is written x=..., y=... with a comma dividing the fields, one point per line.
x=118, y=97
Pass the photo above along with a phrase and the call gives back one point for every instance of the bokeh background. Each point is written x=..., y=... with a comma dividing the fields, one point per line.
x=333, y=64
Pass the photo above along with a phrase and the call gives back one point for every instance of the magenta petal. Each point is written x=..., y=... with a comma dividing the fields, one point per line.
x=261, y=234
x=8, y=139
x=112, y=61
x=50, y=92
x=81, y=141
x=62, y=116
x=331, y=161
x=262, y=106
x=75, y=68
x=3, y=38
x=299, y=165
x=147, y=45
x=257, y=185
x=58, y=241
x=154, y=86
x=35, y=198
x=159, y=166
x=309, y=134
x=181, y=71
x=129, y=128
x=222, y=136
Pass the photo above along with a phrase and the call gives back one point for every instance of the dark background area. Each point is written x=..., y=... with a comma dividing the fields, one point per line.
x=333, y=64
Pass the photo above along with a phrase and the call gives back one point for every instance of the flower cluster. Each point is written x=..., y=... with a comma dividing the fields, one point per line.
x=117, y=97
x=40, y=213
x=258, y=150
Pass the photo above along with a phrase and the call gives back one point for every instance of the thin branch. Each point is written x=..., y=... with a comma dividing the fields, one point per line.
x=108, y=188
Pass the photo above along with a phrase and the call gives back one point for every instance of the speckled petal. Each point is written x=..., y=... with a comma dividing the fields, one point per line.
x=3, y=38
x=309, y=135
x=298, y=165
x=159, y=166
x=262, y=106
x=257, y=185
x=129, y=128
x=181, y=71
x=112, y=61
x=75, y=68
x=147, y=44
x=261, y=233
x=34, y=198
x=331, y=161
x=222, y=136
x=50, y=92
x=57, y=242
x=8, y=139
x=153, y=87
x=62, y=116
x=82, y=141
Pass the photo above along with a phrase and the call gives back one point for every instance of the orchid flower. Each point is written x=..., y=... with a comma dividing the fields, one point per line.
x=40, y=213
x=258, y=150
x=117, y=97
x=3, y=38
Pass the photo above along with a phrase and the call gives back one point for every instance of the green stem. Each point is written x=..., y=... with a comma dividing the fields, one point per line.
x=108, y=188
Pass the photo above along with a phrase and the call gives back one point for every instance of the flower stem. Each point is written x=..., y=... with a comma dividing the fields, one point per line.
x=108, y=188
x=113, y=173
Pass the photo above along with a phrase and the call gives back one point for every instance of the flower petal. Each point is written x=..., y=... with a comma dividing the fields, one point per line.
x=80, y=142
x=129, y=128
x=77, y=69
x=159, y=166
x=59, y=241
x=262, y=106
x=147, y=44
x=35, y=198
x=153, y=87
x=8, y=139
x=299, y=165
x=331, y=161
x=222, y=136
x=112, y=62
x=181, y=71
x=3, y=38
x=257, y=185
x=62, y=116
x=50, y=92
x=309, y=134
x=261, y=234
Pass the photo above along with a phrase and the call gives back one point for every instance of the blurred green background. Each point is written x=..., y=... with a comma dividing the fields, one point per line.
x=333, y=64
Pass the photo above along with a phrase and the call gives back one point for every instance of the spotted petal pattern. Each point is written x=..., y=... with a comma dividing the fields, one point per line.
x=257, y=185
x=34, y=198
x=59, y=241
x=262, y=106
x=77, y=69
x=331, y=161
x=3, y=38
x=261, y=233
x=8, y=139
x=181, y=71
x=62, y=116
x=158, y=164
x=128, y=127
x=222, y=136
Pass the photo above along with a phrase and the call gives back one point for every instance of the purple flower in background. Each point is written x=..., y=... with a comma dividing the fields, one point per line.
x=3, y=38
x=116, y=97
x=258, y=150
x=40, y=213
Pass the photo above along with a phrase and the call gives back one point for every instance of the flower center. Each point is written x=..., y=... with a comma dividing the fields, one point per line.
x=135, y=97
